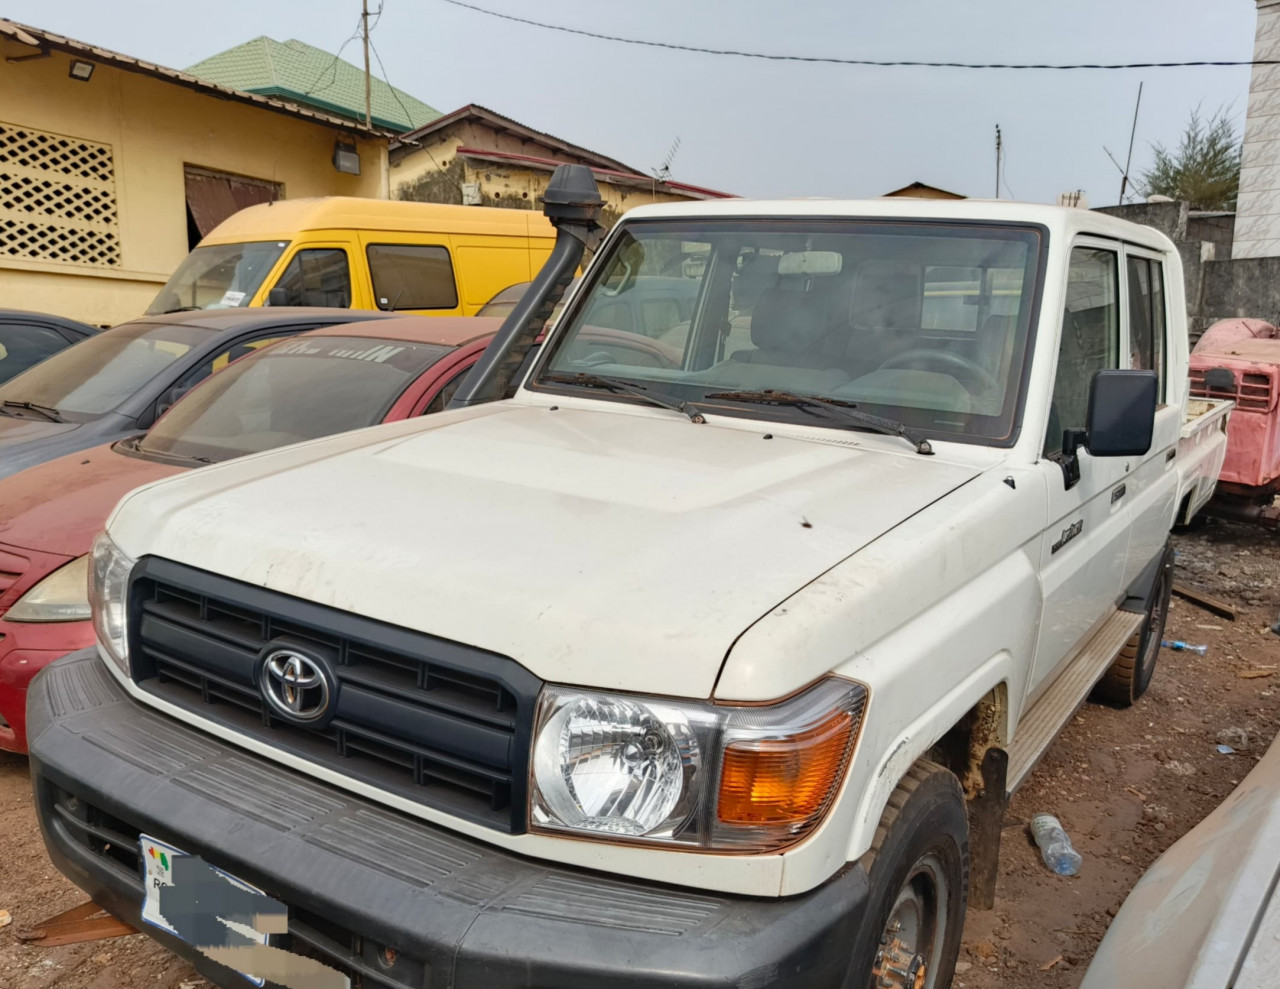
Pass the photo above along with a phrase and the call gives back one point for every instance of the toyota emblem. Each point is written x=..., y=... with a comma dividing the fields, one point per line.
x=296, y=686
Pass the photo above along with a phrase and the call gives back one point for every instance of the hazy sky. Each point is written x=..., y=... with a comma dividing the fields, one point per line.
x=766, y=128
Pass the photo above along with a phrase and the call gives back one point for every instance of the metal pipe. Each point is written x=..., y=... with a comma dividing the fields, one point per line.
x=572, y=203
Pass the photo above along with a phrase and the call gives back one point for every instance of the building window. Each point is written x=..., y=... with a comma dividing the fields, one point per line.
x=214, y=196
x=409, y=276
x=57, y=199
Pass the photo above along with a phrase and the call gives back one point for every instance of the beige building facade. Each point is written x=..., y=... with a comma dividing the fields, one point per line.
x=111, y=168
x=476, y=157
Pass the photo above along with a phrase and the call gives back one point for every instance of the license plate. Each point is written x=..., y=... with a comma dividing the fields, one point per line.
x=158, y=859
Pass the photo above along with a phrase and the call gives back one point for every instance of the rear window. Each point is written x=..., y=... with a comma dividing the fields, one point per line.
x=299, y=389
x=103, y=370
x=412, y=276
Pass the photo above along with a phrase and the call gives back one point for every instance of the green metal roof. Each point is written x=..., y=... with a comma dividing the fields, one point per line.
x=295, y=71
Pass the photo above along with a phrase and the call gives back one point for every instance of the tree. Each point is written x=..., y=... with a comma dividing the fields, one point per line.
x=1204, y=170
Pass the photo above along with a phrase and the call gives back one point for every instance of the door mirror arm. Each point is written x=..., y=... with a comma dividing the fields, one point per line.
x=1073, y=440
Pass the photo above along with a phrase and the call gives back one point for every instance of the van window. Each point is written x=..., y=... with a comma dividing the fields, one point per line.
x=316, y=277
x=221, y=276
x=412, y=276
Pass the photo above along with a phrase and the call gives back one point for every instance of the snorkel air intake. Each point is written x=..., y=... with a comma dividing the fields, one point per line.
x=572, y=203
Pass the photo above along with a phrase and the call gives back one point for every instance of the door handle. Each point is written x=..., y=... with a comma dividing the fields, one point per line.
x=1117, y=494
x=1171, y=454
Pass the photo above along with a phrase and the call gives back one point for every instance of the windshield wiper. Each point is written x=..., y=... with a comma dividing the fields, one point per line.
x=48, y=411
x=627, y=388
x=840, y=410
x=182, y=309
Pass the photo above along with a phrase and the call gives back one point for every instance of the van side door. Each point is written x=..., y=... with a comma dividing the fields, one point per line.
x=1085, y=544
x=488, y=263
x=1153, y=481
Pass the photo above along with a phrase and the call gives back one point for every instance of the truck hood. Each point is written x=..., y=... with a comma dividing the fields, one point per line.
x=617, y=549
x=60, y=506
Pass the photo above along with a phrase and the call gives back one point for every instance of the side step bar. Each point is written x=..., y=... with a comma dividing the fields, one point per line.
x=1044, y=719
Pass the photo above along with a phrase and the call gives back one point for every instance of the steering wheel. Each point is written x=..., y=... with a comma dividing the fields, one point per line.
x=946, y=362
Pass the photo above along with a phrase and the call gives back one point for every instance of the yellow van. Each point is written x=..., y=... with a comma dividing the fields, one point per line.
x=425, y=258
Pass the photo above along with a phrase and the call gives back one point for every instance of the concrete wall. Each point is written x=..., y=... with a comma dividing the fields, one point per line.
x=1169, y=218
x=435, y=172
x=153, y=128
x=1217, y=287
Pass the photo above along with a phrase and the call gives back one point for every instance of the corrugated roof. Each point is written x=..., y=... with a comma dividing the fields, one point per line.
x=604, y=174
x=47, y=41
x=296, y=71
x=498, y=122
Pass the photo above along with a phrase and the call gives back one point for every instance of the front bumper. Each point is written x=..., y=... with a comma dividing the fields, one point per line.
x=25, y=649
x=358, y=878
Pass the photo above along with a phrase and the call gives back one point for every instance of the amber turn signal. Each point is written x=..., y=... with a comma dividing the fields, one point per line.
x=785, y=781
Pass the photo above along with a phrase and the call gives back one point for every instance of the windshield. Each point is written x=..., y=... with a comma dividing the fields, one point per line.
x=298, y=390
x=98, y=373
x=924, y=323
x=221, y=276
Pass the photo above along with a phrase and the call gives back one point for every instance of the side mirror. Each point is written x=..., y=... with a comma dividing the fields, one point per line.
x=1122, y=413
x=170, y=398
x=278, y=297
x=1120, y=421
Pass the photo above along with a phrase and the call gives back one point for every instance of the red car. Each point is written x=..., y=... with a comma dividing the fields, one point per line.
x=315, y=384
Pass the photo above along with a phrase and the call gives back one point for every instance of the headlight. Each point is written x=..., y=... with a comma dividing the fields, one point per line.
x=698, y=775
x=108, y=597
x=63, y=596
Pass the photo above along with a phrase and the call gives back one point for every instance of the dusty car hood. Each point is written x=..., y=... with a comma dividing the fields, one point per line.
x=58, y=507
x=617, y=549
x=14, y=431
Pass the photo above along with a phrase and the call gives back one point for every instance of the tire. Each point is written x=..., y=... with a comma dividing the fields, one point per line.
x=1130, y=675
x=918, y=870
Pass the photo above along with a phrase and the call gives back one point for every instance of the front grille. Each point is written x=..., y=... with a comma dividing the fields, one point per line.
x=369, y=964
x=443, y=724
x=1252, y=391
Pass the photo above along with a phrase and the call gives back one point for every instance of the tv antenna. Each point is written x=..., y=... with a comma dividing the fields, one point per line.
x=663, y=172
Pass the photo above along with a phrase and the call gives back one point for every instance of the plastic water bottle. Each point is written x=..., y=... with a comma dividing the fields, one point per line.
x=1179, y=646
x=1055, y=846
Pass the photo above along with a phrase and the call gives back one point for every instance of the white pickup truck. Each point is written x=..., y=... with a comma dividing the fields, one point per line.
x=707, y=659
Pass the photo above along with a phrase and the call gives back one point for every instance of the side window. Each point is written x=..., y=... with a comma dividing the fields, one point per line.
x=1090, y=339
x=318, y=276
x=1146, y=317
x=23, y=345
x=412, y=276
x=445, y=394
x=221, y=360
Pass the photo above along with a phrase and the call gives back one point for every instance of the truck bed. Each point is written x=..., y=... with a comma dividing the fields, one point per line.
x=1202, y=448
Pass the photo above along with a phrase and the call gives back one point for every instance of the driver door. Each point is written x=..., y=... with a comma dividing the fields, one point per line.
x=1085, y=544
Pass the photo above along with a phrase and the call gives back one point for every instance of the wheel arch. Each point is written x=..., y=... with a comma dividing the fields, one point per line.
x=956, y=733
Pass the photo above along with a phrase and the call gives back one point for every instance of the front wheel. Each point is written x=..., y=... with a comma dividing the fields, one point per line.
x=918, y=867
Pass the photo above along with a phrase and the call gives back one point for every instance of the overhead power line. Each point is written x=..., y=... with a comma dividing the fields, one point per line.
x=869, y=62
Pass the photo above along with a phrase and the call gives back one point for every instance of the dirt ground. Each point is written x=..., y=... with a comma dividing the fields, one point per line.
x=1126, y=785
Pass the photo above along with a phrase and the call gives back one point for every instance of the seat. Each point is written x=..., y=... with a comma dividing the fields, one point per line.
x=788, y=324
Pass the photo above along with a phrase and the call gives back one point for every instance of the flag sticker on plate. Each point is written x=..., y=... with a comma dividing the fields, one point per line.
x=225, y=918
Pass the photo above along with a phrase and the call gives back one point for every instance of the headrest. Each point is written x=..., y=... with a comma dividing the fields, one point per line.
x=888, y=295
x=790, y=317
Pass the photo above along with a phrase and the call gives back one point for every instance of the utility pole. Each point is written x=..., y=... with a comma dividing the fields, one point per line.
x=368, y=86
x=999, y=155
x=1124, y=182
